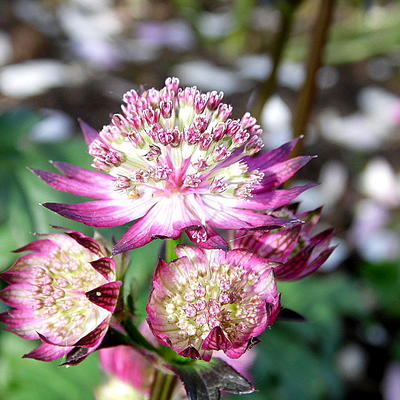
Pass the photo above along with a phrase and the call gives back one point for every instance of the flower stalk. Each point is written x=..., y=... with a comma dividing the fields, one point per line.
x=163, y=385
x=170, y=245
x=287, y=12
x=317, y=45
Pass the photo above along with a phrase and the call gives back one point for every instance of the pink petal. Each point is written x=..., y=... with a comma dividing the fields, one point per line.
x=207, y=238
x=221, y=216
x=276, y=246
x=22, y=323
x=127, y=364
x=190, y=352
x=295, y=266
x=281, y=172
x=315, y=264
x=216, y=340
x=77, y=355
x=265, y=160
x=103, y=212
x=37, y=245
x=86, y=241
x=48, y=352
x=274, y=198
x=74, y=186
x=323, y=238
x=89, y=133
x=236, y=352
x=85, y=175
x=105, y=296
x=95, y=337
x=17, y=295
x=105, y=266
x=166, y=219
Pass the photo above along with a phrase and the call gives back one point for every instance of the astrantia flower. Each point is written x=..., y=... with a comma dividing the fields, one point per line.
x=129, y=365
x=63, y=293
x=175, y=160
x=299, y=253
x=210, y=300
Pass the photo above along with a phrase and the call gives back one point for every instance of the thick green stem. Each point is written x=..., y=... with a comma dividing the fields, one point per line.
x=163, y=386
x=137, y=338
x=317, y=44
x=170, y=246
x=287, y=11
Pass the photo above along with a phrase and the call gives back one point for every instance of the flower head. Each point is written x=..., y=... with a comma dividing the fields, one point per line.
x=176, y=160
x=129, y=365
x=212, y=300
x=298, y=252
x=63, y=293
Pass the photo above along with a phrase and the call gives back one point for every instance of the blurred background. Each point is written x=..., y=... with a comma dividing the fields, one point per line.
x=66, y=59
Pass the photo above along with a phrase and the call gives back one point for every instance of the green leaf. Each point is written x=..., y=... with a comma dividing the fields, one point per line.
x=14, y=124
x=205, y=380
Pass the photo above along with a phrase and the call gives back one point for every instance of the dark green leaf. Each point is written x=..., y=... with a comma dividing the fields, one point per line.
x=205, y=380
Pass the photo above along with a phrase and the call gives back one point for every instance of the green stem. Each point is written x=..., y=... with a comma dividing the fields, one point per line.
x=317, y=44
x=287, y=11
x=137, y=338
x=170, y=246
x=163, y=386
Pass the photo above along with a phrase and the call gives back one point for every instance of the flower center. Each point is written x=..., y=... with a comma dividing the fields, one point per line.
x=219, y=296
x=178, y=140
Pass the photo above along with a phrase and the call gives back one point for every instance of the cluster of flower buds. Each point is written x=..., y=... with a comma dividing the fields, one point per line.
x=175, y=161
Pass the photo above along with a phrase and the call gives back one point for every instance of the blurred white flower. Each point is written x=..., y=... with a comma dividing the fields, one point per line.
x=31, y=78
x=215, y=25
x=83, y=23
x=333, y=183
x=376, y=122
x=208, y=76
x=175, y=34
x=352, y=361
x=369, y=234
x=54, y=127
x=379, y=182
x=391, y=382
x=258, y=67
x=276, y=121
x=115, y=389
x=254, y=66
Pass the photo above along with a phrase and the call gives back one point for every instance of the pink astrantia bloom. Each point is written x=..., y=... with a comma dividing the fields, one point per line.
x=298, y=252
x=210, y=300
x=64, y=293
x=175, y=160
x=129, y=365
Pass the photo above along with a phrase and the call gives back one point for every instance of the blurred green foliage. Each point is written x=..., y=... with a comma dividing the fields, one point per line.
x=355, y=38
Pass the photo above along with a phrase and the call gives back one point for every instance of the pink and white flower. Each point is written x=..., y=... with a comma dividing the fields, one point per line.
x=175, y=160
x=210, y=300
x=298, y=253
x=129, y=365
x=64, y=293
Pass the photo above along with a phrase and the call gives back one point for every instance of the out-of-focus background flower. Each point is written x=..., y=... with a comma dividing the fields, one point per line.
x=64, y=59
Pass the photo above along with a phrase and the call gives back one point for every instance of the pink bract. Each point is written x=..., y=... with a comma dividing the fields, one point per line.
x=129, y=365
x=175, y=160
x=210, y=300
x=298, y=252
x=64, y=293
